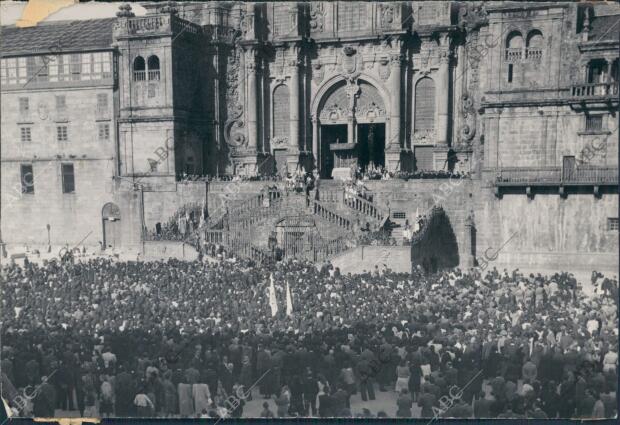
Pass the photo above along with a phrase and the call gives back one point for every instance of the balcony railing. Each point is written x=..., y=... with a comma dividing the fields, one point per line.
x=534, y=53
x=139, y=75
x=595, y=90
x=514, y=54
x=555, y=176
x=154, y=75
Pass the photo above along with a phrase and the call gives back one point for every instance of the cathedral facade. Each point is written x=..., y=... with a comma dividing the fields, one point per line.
x=104, y=120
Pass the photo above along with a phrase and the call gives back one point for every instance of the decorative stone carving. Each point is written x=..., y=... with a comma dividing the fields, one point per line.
x=124, y=11
x=348, y=60
x=424, y=137
x=369, y=111
x=234, y=127
x=318, y=72
x=317, y=16
x=472, y=16
x=386, y=15
x=279, y=142
x=467, y=131
x=334, y=112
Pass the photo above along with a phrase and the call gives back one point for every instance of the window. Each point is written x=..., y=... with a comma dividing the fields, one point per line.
x=139, y=69
x=281, y=112
x=104, y=131
x=514, y=46
x=25, y=135
x=510, y=73
x=24, y=106
x=27, y=178
x=61, y=133
x=612, y=223
x=153, y=67
x=594, y=123
x=102, y=101
x=398, y=215
x=534, y=49
x=76, y=67
x=61, y=103
x=352, y=16
x=424, y=106
x=68, y=178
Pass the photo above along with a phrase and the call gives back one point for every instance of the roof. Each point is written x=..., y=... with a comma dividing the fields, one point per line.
x=605, y=28
x=57, y=36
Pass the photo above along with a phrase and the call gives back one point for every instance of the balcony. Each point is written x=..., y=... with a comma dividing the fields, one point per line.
x=533, y=53
x=549, y=177
x=514, y=54
x=595, y=90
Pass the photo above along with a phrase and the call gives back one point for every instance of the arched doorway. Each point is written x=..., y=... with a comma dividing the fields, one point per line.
x=350, y=122
x=111, y=219
x=296, y=236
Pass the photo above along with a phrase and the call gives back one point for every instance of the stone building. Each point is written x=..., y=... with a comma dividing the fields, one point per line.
x=523, y=96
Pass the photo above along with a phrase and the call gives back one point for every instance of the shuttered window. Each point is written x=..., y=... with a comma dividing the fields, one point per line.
x=423, y=158
x=424, y=105
x=281, y=111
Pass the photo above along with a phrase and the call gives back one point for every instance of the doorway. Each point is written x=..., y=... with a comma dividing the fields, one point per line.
x=111, y=217
x=371, y=145
x=330, y=134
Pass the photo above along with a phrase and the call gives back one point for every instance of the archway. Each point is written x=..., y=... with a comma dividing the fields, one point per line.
x=350, y=125
x=111, y=220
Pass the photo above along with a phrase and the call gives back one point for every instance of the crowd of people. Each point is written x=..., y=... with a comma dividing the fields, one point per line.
x=191, y=339
x=381, y=173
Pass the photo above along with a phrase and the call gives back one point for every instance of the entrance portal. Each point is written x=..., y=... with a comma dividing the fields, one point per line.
x=111, y=217
x=330, y=135
x=371, y=145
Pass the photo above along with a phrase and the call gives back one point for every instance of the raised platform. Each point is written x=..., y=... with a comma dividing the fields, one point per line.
x=364, y=259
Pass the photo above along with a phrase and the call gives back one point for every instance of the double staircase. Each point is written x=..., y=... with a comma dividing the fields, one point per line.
x=338, y=216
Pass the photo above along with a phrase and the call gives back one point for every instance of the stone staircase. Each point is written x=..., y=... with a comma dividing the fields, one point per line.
x=338, y=217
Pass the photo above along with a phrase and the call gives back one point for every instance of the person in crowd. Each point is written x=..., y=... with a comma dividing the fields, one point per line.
x=140, y=335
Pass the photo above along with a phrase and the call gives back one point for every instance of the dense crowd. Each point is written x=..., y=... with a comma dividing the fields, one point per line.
x=381, y=173
x=181, y=338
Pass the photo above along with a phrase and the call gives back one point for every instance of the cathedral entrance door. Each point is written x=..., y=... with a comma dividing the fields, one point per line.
x=330, y=134
x=371, y=145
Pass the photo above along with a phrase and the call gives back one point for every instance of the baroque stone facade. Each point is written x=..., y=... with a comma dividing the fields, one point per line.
x=522, y=97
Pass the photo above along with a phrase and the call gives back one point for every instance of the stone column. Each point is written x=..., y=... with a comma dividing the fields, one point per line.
x=315, y=140
x=294, y=106
x=393, y=142
x=443, y=101
x=469, y=257
x=440, y=152
x=252, y=111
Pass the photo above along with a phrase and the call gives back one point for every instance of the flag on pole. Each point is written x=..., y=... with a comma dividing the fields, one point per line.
x=273, y=303
x=289, y=301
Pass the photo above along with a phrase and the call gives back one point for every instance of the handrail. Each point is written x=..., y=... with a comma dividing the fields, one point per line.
x=595, y=89
x=333, y=217
x=364, y=206
x=581, y=174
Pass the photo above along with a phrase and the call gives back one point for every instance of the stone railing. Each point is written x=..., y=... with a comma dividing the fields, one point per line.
x=366, y=208
x=533, y=53
x=514, y=54
x=147, y=24
x=322, y=211
x=595, y=90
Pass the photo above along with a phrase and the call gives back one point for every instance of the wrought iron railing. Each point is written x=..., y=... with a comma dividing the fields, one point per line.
x=579, y=175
